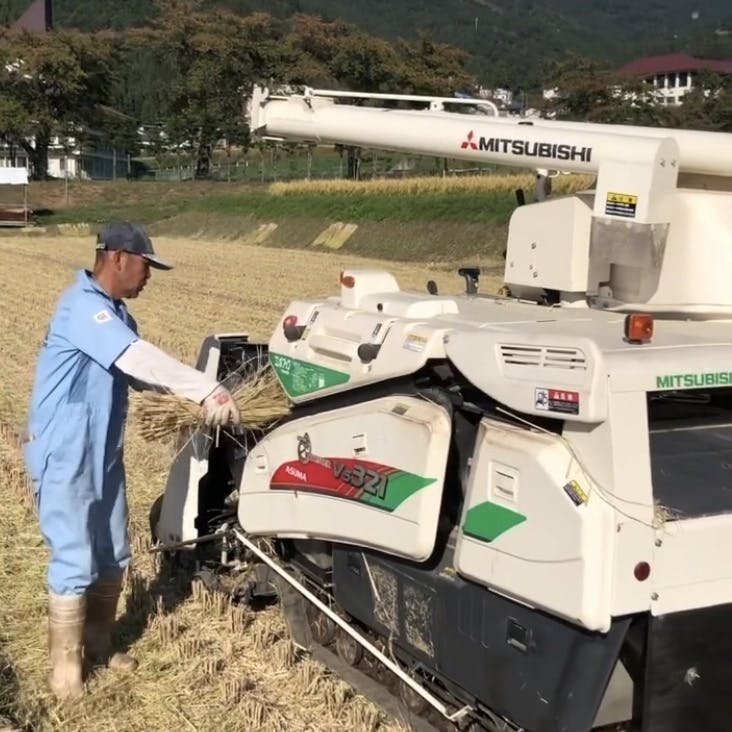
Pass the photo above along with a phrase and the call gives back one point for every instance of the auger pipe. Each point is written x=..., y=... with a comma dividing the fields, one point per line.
x=700, y=151
x=568, y=146
x=443, y=136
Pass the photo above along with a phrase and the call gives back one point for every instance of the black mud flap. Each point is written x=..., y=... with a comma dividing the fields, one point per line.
x=688, y=679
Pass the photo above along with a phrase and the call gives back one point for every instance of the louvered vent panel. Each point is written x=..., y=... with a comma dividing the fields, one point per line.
x=522, y=355
x=550, y=357
x=565, y=358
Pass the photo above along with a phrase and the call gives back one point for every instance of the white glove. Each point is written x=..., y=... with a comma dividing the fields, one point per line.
x=219, y=408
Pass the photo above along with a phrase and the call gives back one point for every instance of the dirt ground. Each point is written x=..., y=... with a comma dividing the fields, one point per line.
x=203, y=664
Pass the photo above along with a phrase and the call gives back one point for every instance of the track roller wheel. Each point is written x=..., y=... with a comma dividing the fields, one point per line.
x=411, y=699
x=487, y=726
x=372, y=664
x=348, y=648
x=322, y=628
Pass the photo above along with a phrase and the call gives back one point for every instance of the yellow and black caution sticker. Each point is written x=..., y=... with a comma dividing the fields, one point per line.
x=621, y=204
x=576, y=492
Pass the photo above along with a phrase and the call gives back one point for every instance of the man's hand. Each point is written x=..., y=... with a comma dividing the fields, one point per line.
x=219, y=408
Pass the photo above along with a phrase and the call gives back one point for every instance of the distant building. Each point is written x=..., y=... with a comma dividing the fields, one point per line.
x=674, y=74
x=668, y=77
x=95, y=160
x=500, y=95
x=38, y=17
x=504, y=99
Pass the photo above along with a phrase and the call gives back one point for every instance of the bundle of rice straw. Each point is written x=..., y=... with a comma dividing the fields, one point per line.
x=259, y=396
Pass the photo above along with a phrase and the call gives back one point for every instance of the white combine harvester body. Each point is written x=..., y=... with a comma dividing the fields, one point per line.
x=529, y=495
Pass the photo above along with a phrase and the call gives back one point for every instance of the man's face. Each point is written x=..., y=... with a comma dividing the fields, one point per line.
x=133, y=272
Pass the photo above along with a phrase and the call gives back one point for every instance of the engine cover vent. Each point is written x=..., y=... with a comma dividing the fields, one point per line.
x=551, y=357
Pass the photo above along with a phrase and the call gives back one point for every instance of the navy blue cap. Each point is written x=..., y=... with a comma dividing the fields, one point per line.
x=129, y=237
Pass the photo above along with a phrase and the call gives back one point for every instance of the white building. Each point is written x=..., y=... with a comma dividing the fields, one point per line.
x=673, y=75
x=95, y=159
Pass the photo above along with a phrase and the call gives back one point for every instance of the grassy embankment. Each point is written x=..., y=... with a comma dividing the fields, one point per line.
x=409, y=219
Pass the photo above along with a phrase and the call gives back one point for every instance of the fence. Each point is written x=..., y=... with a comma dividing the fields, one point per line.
x=273, y=163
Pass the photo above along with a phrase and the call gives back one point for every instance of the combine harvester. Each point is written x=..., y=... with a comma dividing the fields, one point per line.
x=518, y=509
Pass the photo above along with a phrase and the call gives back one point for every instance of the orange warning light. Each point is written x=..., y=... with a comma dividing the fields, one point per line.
x=638, y=328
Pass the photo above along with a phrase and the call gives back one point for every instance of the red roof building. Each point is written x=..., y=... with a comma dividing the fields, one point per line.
x=673, y=74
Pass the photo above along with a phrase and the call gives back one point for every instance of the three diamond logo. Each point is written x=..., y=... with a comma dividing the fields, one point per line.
x=468, y=142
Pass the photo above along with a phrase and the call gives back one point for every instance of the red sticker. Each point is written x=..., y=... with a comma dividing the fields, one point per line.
x=557, y=400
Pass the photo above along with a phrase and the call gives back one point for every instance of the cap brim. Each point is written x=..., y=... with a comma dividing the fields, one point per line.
x=156, y=262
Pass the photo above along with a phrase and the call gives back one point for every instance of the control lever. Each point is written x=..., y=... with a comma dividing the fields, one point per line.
x=471, y=275
x=367, y=352
x=293, y=332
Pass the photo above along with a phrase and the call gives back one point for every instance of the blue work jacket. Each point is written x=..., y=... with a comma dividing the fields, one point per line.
x=79, y=401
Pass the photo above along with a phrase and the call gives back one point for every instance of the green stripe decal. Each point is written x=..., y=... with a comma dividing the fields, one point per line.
x=399, y=487
x=487, y=521
x=302, y=377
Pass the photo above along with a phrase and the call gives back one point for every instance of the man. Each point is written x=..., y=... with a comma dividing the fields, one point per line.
x=74, y=453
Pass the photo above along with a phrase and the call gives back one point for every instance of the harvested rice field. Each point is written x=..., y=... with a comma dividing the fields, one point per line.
x=203, y=663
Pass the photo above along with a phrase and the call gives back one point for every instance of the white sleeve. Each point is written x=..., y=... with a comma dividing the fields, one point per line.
x=143, y=362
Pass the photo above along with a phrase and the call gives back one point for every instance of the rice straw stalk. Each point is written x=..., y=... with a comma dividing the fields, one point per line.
x=260, y=398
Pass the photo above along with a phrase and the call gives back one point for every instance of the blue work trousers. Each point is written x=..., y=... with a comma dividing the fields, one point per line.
x=82, y=504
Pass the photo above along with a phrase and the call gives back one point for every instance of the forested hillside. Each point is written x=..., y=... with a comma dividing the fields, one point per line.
x=182, y=67
x=511, y=42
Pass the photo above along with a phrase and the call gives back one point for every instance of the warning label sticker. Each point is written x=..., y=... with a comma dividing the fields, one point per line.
x=415, y=343
x=557, y=400
x=621, y=204
x=576, y=493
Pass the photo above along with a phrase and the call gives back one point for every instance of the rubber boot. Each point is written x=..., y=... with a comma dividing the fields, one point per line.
x=102, y=597
x=65, y=634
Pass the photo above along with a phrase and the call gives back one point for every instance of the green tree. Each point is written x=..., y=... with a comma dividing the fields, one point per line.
x=211, y=58
x=49, y=81
x=334, y=53
x=511, y=43
x=434, y=68
x=121, y=131
x=590, y=91
x=708, y=106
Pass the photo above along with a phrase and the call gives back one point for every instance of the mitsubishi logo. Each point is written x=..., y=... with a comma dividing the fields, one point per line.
x=468, y=143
